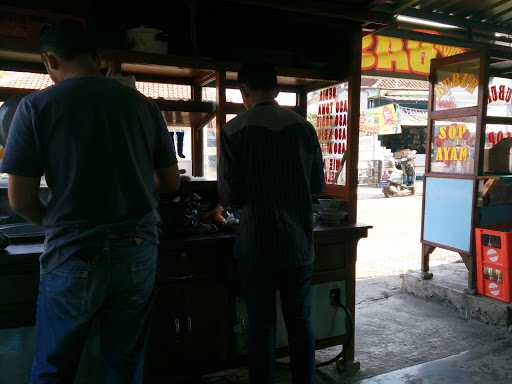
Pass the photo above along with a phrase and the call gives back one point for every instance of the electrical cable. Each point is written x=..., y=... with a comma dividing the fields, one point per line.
x=340, y=356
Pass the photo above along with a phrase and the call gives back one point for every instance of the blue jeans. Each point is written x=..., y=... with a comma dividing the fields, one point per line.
x=259, y=290
x=110, y=283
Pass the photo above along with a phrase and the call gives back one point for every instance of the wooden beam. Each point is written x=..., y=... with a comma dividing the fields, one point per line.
x=354, y=92
x=233, y=108
x=19, y=66
x=206, y=80
x=231, y=84
x=302, y=103
x=185, y=106
x=6, y=92
x=160, y=79
x=197, y=136
x=220, y=114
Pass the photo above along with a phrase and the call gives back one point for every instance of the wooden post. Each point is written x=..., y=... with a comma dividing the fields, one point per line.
x=354, y=91
x=302, y=103
x=426, y=250
x=220, y=113
x=197, y=137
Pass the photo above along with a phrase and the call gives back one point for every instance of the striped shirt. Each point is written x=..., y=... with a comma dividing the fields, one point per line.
x=269, y=168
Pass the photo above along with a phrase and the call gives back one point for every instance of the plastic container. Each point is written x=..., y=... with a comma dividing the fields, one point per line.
x=493, y=261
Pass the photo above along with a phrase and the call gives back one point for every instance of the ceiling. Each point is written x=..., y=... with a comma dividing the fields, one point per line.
x=476, y=22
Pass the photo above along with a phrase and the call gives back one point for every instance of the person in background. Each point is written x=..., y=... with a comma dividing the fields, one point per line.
x=270, y=166
x=104, y=151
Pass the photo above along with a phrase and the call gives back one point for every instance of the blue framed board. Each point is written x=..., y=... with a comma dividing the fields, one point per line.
x=448, y=212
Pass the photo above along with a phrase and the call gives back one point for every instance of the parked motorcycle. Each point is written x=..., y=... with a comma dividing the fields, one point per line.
x=399, y=180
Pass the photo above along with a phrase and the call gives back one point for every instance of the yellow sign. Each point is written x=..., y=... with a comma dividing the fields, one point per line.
x=381, y=120
x=398, y=56
x=451, y=143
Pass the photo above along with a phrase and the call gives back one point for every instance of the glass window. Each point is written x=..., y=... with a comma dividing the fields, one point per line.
x=210, y=148
x=495, y=134
x=328, y=111
x=209, y=94
x=453, y=146
x=457, y=85
x=181, y=139
x=499, y=102
x=287, y=99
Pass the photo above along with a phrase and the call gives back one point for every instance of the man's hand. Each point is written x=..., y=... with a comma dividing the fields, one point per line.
x=24, y=199
x=184, y=178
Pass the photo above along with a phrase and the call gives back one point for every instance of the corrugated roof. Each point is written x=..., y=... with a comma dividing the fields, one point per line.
x=468, y=21
x=394, y=84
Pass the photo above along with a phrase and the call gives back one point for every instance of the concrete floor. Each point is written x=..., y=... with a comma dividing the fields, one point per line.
x=481, y=365
x=396, y=331
x=449, y=287
x=393, y=245
x=402, y=339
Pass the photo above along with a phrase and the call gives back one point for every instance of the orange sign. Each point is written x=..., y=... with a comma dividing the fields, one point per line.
x=391, y=55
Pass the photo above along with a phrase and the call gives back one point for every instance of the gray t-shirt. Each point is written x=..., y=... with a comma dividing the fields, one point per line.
x=98, y=143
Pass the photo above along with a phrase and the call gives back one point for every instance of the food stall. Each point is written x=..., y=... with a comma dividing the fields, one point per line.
x=468, y=173
x=199, y=324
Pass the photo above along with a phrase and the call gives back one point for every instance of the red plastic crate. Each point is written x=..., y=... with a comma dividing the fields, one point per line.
x=494, y=246
x=495, y=283
x=493, y=261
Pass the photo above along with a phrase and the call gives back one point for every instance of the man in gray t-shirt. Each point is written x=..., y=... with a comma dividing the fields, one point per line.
x=104, y=150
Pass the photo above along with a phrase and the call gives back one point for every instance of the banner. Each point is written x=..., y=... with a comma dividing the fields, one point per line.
x=381, y=120
x=382, y=55
x=412, y=116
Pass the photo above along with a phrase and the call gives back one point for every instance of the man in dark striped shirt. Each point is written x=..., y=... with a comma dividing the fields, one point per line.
x=270, y=165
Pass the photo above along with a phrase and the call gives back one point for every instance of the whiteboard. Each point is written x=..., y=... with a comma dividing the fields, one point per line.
x=448, y=212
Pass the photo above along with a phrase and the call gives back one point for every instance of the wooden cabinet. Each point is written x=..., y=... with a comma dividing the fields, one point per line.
x=199, y=325
x=165, y=343
x=191, y=325
x=19, y=280
x=207, y=325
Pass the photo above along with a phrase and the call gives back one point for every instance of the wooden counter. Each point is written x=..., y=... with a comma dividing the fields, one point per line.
x=199, y=324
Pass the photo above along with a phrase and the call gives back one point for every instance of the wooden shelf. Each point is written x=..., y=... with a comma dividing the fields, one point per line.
x=186, y=105
x=183, y=67
x=494, y=176
x=187, y=113
x=498, y=120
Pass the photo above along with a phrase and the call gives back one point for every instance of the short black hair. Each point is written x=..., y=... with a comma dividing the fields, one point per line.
x=67, y=39
x=258, y=74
